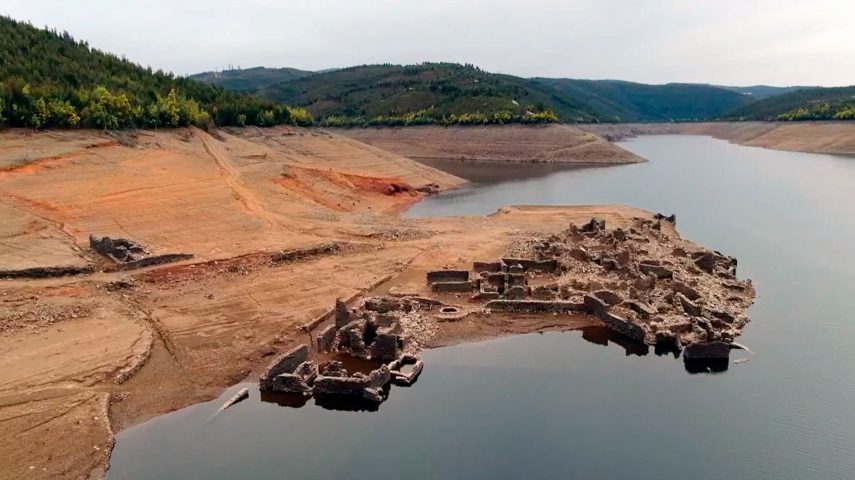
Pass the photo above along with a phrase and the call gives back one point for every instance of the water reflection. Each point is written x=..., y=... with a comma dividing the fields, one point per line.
x=602, y=336
x=340, y=403
x=705, y=365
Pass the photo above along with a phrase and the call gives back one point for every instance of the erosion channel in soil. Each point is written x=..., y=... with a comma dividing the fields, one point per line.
x=548, y=404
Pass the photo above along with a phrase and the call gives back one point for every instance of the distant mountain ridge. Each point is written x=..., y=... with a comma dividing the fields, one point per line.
x=442, y=89
x=759, y=92
x=250, y=79
x=622, y=101
x=434, y=89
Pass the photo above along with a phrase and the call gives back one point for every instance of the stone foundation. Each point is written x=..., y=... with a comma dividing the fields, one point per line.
x=534, y=306
x=325, y=339
x=529, y=265
x=285, y=363
x=448, y=276
x=451, y=287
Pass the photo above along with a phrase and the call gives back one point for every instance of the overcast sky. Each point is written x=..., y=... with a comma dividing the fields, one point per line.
x=734, y=42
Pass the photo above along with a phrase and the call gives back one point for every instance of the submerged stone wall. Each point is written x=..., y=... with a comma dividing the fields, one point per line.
x=285, y=363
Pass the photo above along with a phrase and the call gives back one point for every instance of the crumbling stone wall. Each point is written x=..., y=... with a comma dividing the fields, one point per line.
x=448, y=276
x=535, y=306
x=285, y=363
x=325, y=339
x=386, y=346
x=117, y=249
x=530, y=265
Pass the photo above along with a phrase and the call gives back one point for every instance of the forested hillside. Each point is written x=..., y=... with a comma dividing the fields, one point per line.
x=428, y=93
x=453, y=93
x=759, y=92
x=48, y=79
x=619, y=101
x=250, y=79
x=836, y=103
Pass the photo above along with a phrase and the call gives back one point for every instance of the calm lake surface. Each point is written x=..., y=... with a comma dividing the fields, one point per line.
x=562, y=406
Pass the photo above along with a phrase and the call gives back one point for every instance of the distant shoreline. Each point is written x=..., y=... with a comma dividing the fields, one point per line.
x=834, y=137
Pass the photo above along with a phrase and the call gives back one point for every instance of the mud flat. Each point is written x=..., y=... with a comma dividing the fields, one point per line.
x=279, y=222
x=813, y=137
x=554, y=144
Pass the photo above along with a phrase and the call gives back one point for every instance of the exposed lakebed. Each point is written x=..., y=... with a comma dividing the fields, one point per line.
x=553, y=405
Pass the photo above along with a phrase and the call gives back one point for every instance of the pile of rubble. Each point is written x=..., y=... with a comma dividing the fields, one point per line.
x=380, y=330
x=119, y=250
x=643, y=282
x=128, y=254
x=27, y=313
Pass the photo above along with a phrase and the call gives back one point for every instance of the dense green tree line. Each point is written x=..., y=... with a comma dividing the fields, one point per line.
x=821, y=103
x=427, y=93
x=47, y=79
x=427, y=117
x=820, y=111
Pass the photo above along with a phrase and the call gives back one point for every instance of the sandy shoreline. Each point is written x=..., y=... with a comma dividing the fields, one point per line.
x=812, y=137
x=550, y=144
x=143, y=343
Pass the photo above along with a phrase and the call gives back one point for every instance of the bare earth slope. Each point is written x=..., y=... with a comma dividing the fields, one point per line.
x=69, y=346
x=510, y=143
x=816, y=137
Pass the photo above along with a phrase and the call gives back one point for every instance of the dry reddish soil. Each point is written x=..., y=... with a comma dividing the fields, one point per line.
x=84, y=356
x=815, y=137
x=559, y=144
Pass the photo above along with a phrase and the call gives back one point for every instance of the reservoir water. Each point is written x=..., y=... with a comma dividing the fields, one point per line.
x=575, y=405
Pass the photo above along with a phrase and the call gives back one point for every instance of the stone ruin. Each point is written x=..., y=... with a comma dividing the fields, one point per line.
x=643, y=282
x=128, y=254
x=371, y=332
x=119, y=250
